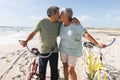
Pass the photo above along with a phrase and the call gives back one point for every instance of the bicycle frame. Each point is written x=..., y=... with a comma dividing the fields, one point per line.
x=93, y=65
x=35, y=63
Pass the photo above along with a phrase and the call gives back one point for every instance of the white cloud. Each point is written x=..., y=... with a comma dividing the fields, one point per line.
x=116, y=12
x=34, y=18
x=113, y=16
x=117, y=18
x=108, y=15
x=84, y=18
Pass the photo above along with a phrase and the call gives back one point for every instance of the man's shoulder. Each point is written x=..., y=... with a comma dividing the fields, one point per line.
x=43, y=19
x=58, y=23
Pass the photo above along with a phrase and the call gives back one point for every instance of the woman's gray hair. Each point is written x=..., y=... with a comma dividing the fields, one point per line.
x=68, y=11
x=52, y=10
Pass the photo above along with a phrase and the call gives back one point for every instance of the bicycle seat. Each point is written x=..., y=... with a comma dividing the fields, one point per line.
x=35, y=51
x=88, y=44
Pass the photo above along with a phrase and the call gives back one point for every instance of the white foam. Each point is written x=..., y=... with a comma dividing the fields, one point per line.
x=13, y=37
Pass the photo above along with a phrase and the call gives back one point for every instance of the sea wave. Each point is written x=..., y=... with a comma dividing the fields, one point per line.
x=10, y=34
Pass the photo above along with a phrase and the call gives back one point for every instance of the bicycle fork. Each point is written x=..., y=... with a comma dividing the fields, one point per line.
x=33, y=73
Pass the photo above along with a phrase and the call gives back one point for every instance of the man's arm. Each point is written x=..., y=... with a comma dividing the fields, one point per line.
x=30, y=36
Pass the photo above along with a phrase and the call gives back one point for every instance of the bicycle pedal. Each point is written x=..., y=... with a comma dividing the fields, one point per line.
x=35, y=77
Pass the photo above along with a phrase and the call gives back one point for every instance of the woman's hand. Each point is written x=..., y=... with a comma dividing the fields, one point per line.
x=100, y=45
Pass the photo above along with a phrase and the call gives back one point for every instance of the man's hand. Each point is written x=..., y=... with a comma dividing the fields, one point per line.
x=75, y=21
x=23, y=43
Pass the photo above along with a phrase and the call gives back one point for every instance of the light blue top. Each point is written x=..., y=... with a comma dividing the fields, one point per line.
x=71, y=39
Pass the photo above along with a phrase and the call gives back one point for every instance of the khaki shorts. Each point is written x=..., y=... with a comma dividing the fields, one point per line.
x=71, y=60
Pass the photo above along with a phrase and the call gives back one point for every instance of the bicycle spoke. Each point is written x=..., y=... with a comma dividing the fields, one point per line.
x=102, y=76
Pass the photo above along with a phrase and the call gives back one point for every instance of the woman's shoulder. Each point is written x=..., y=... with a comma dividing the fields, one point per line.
x=75, y=25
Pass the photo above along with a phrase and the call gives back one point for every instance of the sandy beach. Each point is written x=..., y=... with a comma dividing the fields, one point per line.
x=15, y=60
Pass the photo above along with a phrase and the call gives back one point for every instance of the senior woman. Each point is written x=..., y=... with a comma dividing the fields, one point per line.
x=71, y=45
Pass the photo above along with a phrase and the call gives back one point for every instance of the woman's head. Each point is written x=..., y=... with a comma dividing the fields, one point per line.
x=66, y=14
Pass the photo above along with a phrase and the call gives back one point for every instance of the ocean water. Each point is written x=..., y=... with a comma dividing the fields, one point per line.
x=10, y=35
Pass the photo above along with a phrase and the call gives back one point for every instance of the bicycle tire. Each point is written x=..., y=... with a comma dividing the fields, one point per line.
x=34, y=74
x=102, y=76
x=84, y=69
x=85, y=73
x=33, y=77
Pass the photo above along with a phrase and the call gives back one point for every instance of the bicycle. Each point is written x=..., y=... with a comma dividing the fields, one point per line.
x=34, y=67
x=93, y=68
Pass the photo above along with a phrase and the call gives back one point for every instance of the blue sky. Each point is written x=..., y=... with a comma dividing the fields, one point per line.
x=91, y=13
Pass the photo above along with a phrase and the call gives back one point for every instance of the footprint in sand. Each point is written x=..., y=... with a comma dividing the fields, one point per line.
x=16, y=77
x=3, y=57
x=8, y=60
x=7, y=56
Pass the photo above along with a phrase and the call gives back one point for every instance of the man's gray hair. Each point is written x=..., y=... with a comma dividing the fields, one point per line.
x=67, y=11
x=52, y=10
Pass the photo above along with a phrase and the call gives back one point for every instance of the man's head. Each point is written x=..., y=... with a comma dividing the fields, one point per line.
x=52, y=10
x=53, y=13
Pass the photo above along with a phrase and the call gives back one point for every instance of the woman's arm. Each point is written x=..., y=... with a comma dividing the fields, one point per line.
x=91, y=39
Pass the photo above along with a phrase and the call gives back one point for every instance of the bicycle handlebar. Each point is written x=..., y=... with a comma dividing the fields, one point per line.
x=111, y=42
x=90, y=45
x=38, y=53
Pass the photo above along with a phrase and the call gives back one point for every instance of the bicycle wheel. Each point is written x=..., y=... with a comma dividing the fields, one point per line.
x=103, y=76
x=33, y=77
x=86, y=74
x=85, y=67
x=34, y=73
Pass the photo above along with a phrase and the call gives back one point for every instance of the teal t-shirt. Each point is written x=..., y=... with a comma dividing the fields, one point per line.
x=71, y=39
x=48, y=35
